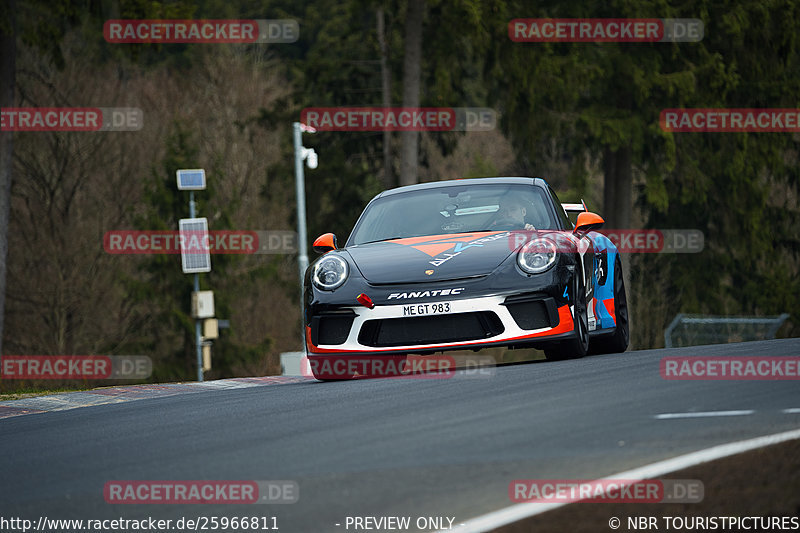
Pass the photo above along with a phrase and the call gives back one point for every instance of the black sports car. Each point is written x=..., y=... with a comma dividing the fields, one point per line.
x=463, y=264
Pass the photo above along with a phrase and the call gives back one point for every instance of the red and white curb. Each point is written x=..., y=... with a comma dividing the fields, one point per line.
x=108, y=395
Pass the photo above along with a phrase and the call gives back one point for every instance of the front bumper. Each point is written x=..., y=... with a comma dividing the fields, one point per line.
x=440, y=325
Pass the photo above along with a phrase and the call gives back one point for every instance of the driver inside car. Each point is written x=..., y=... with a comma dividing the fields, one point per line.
x=512, y=213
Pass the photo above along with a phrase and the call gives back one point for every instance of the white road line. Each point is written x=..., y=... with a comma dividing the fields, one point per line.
x=791, y=411
x=520, y=511
x=705, y=414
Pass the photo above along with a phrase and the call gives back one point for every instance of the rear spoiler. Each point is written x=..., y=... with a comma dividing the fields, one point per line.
x=575, y=208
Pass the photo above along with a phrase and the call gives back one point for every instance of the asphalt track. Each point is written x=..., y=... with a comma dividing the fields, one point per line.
x=396, y=447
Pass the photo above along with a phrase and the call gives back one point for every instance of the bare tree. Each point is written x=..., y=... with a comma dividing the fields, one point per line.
x=8, y=55
x=386, y=84
x=66, y=294
x=412, y=64
x=618, y=188
x=618, y=199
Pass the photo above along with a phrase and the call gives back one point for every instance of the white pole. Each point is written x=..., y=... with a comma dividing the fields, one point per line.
x=302, y=257
x=197, y=336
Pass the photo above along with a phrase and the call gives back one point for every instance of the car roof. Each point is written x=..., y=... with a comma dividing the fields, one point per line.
x=461, y=182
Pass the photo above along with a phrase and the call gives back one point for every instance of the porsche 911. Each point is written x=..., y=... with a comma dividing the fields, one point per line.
x=463, y=264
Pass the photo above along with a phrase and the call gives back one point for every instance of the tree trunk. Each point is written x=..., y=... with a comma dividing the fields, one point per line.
x=624, y=187
x=409, y=172
x=386, y=83
x=609, y=189
x=618, y=202
x=8, y=53
x=617, y=188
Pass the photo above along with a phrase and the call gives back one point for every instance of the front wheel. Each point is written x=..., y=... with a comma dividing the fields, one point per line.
x=579, y=344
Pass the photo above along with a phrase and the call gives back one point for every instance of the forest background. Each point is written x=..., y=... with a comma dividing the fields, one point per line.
x=585, y=116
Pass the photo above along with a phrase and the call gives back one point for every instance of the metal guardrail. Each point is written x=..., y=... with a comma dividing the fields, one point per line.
x=726, y=328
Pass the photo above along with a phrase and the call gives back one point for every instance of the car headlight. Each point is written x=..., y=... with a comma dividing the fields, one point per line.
x=329, y=272
x=537, y=256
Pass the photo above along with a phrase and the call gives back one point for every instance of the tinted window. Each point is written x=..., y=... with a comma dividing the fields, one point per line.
x=454, y=209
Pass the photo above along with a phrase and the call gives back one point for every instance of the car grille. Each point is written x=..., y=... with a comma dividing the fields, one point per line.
x=436, y=329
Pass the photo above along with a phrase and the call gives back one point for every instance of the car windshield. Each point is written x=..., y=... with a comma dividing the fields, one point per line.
x=454, y=209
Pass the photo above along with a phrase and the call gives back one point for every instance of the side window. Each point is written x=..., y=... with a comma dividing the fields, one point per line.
x=564, y=220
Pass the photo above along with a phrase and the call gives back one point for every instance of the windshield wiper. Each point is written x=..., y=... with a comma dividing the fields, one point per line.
x=381, y=240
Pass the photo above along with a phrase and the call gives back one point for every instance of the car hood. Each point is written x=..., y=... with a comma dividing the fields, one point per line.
x=432, y=258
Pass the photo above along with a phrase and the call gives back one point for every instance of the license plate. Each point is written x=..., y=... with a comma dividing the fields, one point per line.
x=426, y=309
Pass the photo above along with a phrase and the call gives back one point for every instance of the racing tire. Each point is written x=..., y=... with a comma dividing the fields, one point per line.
x=578, y=346
x=616, y=342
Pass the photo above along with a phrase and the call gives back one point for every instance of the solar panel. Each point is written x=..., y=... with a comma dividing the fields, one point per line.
x=194, y=242
x=191, y=179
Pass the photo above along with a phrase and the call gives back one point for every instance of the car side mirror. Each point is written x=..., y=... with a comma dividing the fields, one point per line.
x=325, y=243
x=588, y=221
